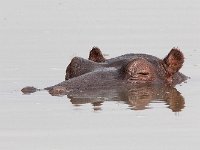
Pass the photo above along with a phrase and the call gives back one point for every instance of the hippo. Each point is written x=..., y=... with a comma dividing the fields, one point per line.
x=122, y=72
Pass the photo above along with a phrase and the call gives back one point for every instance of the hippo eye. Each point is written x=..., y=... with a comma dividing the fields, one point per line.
x=143, y=73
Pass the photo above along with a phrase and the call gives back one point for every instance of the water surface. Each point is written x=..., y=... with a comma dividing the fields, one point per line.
x=38, y=38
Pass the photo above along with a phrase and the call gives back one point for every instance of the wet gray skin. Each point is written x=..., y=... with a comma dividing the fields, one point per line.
x=79, y=66
x=122, y=72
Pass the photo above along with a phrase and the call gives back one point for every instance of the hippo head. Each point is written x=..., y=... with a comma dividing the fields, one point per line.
x=122, y=71
x=149, y=69
x=133, y=68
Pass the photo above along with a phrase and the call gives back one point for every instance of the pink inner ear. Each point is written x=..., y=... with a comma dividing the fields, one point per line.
x=173, y=61
x=96, y=55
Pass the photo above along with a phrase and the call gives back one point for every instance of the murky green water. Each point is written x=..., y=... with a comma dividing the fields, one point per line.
x=39, y=38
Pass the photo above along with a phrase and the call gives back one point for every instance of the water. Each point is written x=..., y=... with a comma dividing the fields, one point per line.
x=38, y=38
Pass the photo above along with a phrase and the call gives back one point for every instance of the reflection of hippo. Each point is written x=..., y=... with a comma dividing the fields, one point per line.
x=124, y=71
x=137, y=97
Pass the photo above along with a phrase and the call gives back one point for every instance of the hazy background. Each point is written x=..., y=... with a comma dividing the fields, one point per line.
x=38, y=38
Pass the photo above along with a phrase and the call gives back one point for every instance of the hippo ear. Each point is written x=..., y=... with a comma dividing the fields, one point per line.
x=173, y=61
x=96, y=55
